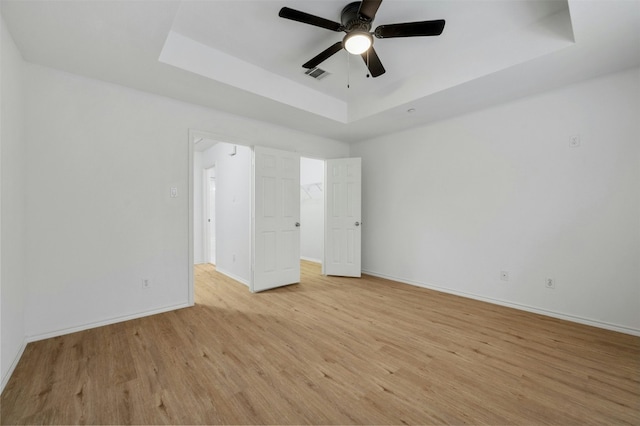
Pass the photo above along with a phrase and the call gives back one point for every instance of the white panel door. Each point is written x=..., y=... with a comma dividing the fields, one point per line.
x=342, y=217
x=276, y=218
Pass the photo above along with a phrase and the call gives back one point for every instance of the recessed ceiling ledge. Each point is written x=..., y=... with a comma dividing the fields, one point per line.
x=478, y=59
x=187, y=54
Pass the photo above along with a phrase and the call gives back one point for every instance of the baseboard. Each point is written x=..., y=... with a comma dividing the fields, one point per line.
x=311, y=259
x=13, y=366
x=232, y=276
x=62, y=332
x=522, y=307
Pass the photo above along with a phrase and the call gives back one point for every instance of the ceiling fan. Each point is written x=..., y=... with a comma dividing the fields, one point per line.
x=356, y=20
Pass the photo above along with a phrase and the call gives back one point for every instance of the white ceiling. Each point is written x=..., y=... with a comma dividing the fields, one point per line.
x=239, y=56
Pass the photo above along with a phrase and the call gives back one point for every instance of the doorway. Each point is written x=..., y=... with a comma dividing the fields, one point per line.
x=312, y=209
x=221, y=193
x=221, y=205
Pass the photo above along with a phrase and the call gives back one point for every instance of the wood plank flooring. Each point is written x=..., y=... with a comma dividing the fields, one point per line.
x=329, y=351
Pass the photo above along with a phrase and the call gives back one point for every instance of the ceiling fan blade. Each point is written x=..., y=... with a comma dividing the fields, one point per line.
x=411, y=29
x=373, y=62
x=306, y=18
x=368, y=8
x=323, y=56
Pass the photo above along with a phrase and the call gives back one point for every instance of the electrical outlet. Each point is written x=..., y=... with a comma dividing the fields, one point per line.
x=550, y=283
x=146, y=283
x=504, y=275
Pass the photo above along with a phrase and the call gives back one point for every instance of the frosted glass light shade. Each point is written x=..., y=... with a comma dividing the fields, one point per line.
x=357, y=43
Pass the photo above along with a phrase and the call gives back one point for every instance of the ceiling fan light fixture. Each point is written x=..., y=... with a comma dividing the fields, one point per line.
x=356, y=19
x=357, y=42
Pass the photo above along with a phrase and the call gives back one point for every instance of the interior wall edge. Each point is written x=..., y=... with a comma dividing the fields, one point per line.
x=13, y=165
x=110, y=321
x=508, y=304
x=14, y=364
x=232, y=276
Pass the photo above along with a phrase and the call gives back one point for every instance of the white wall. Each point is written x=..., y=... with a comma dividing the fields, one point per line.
x=312, y=209
x=102, y=160
x=452, y=204
x=12, y=205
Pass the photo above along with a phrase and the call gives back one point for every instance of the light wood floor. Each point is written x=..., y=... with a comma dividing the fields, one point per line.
x=329, y=351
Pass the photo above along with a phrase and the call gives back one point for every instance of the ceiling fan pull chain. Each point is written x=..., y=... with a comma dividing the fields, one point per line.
x=368, y=50
x=348, y=71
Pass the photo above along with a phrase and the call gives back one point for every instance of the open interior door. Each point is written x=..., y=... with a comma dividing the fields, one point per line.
x=342, y=217
x=275, y=218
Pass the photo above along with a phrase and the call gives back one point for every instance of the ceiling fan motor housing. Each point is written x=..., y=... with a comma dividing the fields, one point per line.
x=352, y=20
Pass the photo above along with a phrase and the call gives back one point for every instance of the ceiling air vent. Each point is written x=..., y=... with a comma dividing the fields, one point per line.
x=316, y=73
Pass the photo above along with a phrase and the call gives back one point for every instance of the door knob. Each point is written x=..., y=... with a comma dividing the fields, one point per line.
x=297, y=224
x=357, y=223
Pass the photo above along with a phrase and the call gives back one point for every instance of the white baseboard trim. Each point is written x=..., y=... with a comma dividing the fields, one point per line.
x=13, y=366
x=311, y=259
x=522, y=307
x=62, y=332
x=233, y=277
